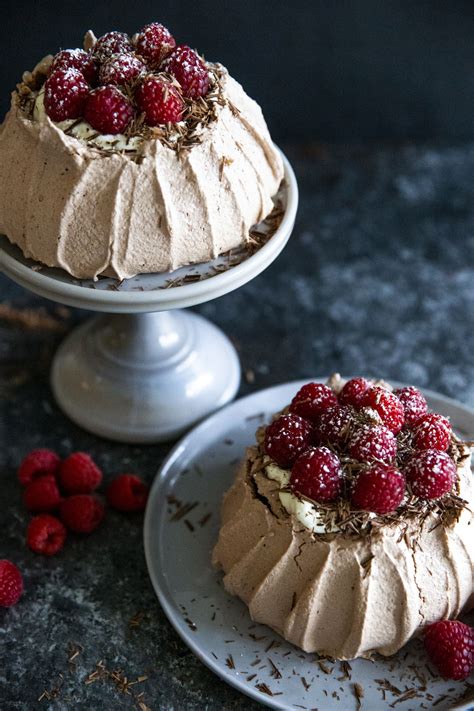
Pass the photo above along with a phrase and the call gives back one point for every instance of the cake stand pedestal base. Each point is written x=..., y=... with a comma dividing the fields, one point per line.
x=145, y=377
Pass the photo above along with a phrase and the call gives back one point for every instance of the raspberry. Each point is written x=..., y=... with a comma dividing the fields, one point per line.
x=312, y=399
x=154, y=43
x=127, y=493
x=450, y=646
x=121, y=69
x=371, y=442
x=414, y=403
x=79, y=474
x=112, y=43
x=379, y=489
x=387, y=405
x=76, y=59
x=432, y=432
x=65, y=94
x=316, y=474
x=36, y=464
x=431, y=474
x=332, y=425
x=42, y=495
x=286, y=438
x=81, y=513
x=108, y=110
x=190, y=71
x=160, y=101
x=353, y=392
x=11, y=584
x=46, y=534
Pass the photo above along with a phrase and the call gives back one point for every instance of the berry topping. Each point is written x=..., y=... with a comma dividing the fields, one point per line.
x=36, y=464
x=312, y=399
x=286, y=438
x=79, y=474
x=76, y=59
x=316, y=474
x=65, y=94
x=159, y=100
x=332, y=425
x=112, y=43
x=81, y=513
x=11, y=584
x=371, y=442
x=388, y=407
x=42, y=494
x=108, y=110
x=379, y=489
x=450, y=646
x=127, y=493
x=353, y=391
x=431, y=474
x=46, y=534
x=432, y=432
x=414, y=404
x=154, y=43
x=189, y=70
x=121, y=69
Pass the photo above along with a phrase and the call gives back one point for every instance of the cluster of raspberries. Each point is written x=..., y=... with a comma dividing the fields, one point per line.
x=122, y=78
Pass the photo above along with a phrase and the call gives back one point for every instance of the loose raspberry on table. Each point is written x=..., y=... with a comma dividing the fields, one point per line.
x=154, y=43
x=76, y=59
x=81, y=513
x=11, y=584
x=353, y=392
x=65, y=94
x=433, y=431
x=379, y=489
x=42, y=495
x=46, y=534
x=430, y=473
x=108, y=110
x=387, y=405
x=414, y=404
x=317, y=474
x=286, y=438
x=79, y=474
x=369, y=442
x=450, y=646
x=121, y=69
x=112, y=43
x=127, y=493
x=159, y=100
x=312, y=399
x=36, y=464
x=189, y=70
x=332, y=425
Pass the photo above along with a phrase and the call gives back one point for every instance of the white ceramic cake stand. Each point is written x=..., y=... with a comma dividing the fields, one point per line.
x=144, y=371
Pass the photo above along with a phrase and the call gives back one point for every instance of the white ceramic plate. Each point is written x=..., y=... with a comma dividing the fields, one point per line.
x=180, y=529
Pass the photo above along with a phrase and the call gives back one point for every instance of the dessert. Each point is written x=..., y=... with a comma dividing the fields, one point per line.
x=349, y=527
x=133, y=155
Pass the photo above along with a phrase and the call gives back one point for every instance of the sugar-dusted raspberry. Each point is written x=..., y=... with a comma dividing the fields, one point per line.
x=379, y=488
x=332, y=425
x=189, y=70
x=121, y=69
x=108, y=110
x=79, y=474
x=450, y=646
x=317, y=474
x=159, y=100
x=369, y=442
x=42, y=494
x=312, y=399
x=387, y=405
x=81, y=513
x=76, y=59
x=112, y=43
x=36, y=464
x=46, y=534
x=65, y=94
x=286, y=438
x=353, y=392
x=414, y=404
x=430, y=473
x=154, y=42
x=433, y=431
x=128, y=493
x=11, y=584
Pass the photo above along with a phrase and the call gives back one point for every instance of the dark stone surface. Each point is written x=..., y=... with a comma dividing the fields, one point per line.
x=377, y=279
